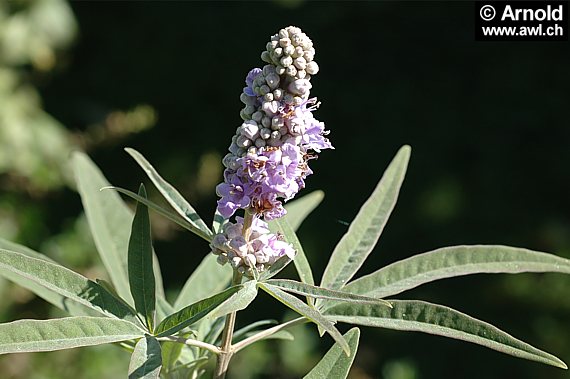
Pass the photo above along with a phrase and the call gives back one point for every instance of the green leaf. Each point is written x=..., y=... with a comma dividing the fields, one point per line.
x=64, y=282
x=157, y=208
x=218, y=222
x=454, y=261
x=64, y=333
x=299, y=209
x=208, y=278
x=335, y=364
x=141, y=276
x=309, y=312
x=62, y=302
x=174, y=198
x=146, y=360
x=275, y=268
x=192, y=313
x=281, y=225
x=238, y=301
x=365, y=229
x=110, y=222
x=323, y=293
x=419, y=316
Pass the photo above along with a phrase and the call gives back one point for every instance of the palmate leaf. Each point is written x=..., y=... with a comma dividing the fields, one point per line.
x=58, y=300
x=146, y=360
x=192, y=313
x=364, y=231
x=174, y=198
x=419, y=316
x=64, y=333
x=302, y=265
x=141, y=275
x=307, y=311
x=110, y=223
x=323, y=293
x=66, y=283
x=299, y=209
x=454, y=261
x=335, y=364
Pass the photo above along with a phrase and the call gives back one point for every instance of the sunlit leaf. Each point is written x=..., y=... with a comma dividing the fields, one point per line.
x=306, y=311
x=146, y=360
x=335, y=364
x=65, y=282
x=419, y=316
x=64, y=333
x=192, y=313
x=174, y=198
x=238, y=301
x=300, y=208
x=454, y=261
x=141, y=275
x=364, y=231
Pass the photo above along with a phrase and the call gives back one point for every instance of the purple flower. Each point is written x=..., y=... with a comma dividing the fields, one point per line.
x=233, y=193
x=251, y=75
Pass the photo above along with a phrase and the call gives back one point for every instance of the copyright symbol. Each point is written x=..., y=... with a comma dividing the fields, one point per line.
x=487, y=12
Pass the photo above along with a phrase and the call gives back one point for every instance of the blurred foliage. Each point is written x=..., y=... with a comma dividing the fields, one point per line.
x=488, y=124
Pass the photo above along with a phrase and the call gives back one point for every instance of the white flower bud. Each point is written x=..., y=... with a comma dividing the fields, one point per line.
x=280, y=70
x=272, y=80
x=236, y=262
x=312, y=68
x=250, y=129
x=298, y=52
x=291, y=71
x=289, y=50
x=250, y=260
x=270, y=108
x=309, y=54
x=265, y=133
x=243, y=141
x=268, y=69
x=296, y=39
x=273, y=44
x=252, y=150
x=278, y=94
x=300, y=87
x=268, y=96
x=284, y=42
x=283, y=33
x=297, y=100
x=266, y=122
x=278, y=52
x=286, y=61
x=257, y=116
x=277, y=122
x=307, y=44
x=266, y=57
x=301, y=74
x=288, y=98
x=300, y=63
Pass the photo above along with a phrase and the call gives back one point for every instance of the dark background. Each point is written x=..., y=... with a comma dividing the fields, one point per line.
x=488, y=123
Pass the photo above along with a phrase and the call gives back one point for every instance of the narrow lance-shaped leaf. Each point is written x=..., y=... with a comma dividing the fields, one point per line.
x=110, y=223
x=58, y=300
x=275, y=268
x=146, y=360
x=65, y=282
x=218, y=222
x=307, y=311
x=141, y=275
x=238, y=301
x=299, y=209
x=192, y=313
x=419, y=316
x=157, y=208
x=324, y=293
x=335, y=364
x=63, y=333
x=364, y=231
x=174, y=198
x=454, y=261
x=302, y=265
x=208, y=278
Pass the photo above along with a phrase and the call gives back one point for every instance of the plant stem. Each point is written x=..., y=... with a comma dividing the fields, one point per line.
x=267, y=332
x=191, y=342
x=226, y=350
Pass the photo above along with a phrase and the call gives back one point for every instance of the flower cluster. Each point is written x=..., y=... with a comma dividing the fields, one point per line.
x=259, y=251
x=269, y=154
x=268, y=157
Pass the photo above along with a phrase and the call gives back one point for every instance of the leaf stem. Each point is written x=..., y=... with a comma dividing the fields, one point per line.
x=226, y=350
